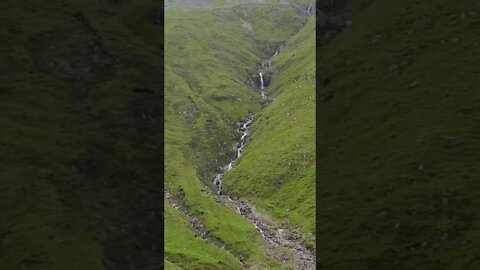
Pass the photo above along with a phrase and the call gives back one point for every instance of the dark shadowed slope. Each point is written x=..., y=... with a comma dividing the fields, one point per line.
x=80, y=101
x=399, y=145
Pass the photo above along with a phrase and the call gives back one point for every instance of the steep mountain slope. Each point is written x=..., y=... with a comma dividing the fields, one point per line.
x=80, y=104
x=212, y=58
x=277, y=170
x=398, y=143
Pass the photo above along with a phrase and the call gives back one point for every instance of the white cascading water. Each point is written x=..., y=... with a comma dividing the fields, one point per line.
x=262, y=87
x=218, y=180
x=244, y=130
x=261, y=81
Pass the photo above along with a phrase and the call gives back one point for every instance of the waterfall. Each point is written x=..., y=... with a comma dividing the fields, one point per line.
x=261, y=81
x=262, y=87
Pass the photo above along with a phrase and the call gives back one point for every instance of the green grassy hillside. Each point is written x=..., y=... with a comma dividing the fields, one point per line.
x=79, y=181
x=211, y=55
x=277, y=170
x=198, y=254
x=398, y=143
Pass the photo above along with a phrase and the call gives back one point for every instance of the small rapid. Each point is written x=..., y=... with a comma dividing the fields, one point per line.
x=244, y=130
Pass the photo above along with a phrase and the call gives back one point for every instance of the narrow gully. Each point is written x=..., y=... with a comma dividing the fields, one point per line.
x=274, y=237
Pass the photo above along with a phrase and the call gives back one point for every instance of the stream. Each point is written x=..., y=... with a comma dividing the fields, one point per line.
x=283, y=243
